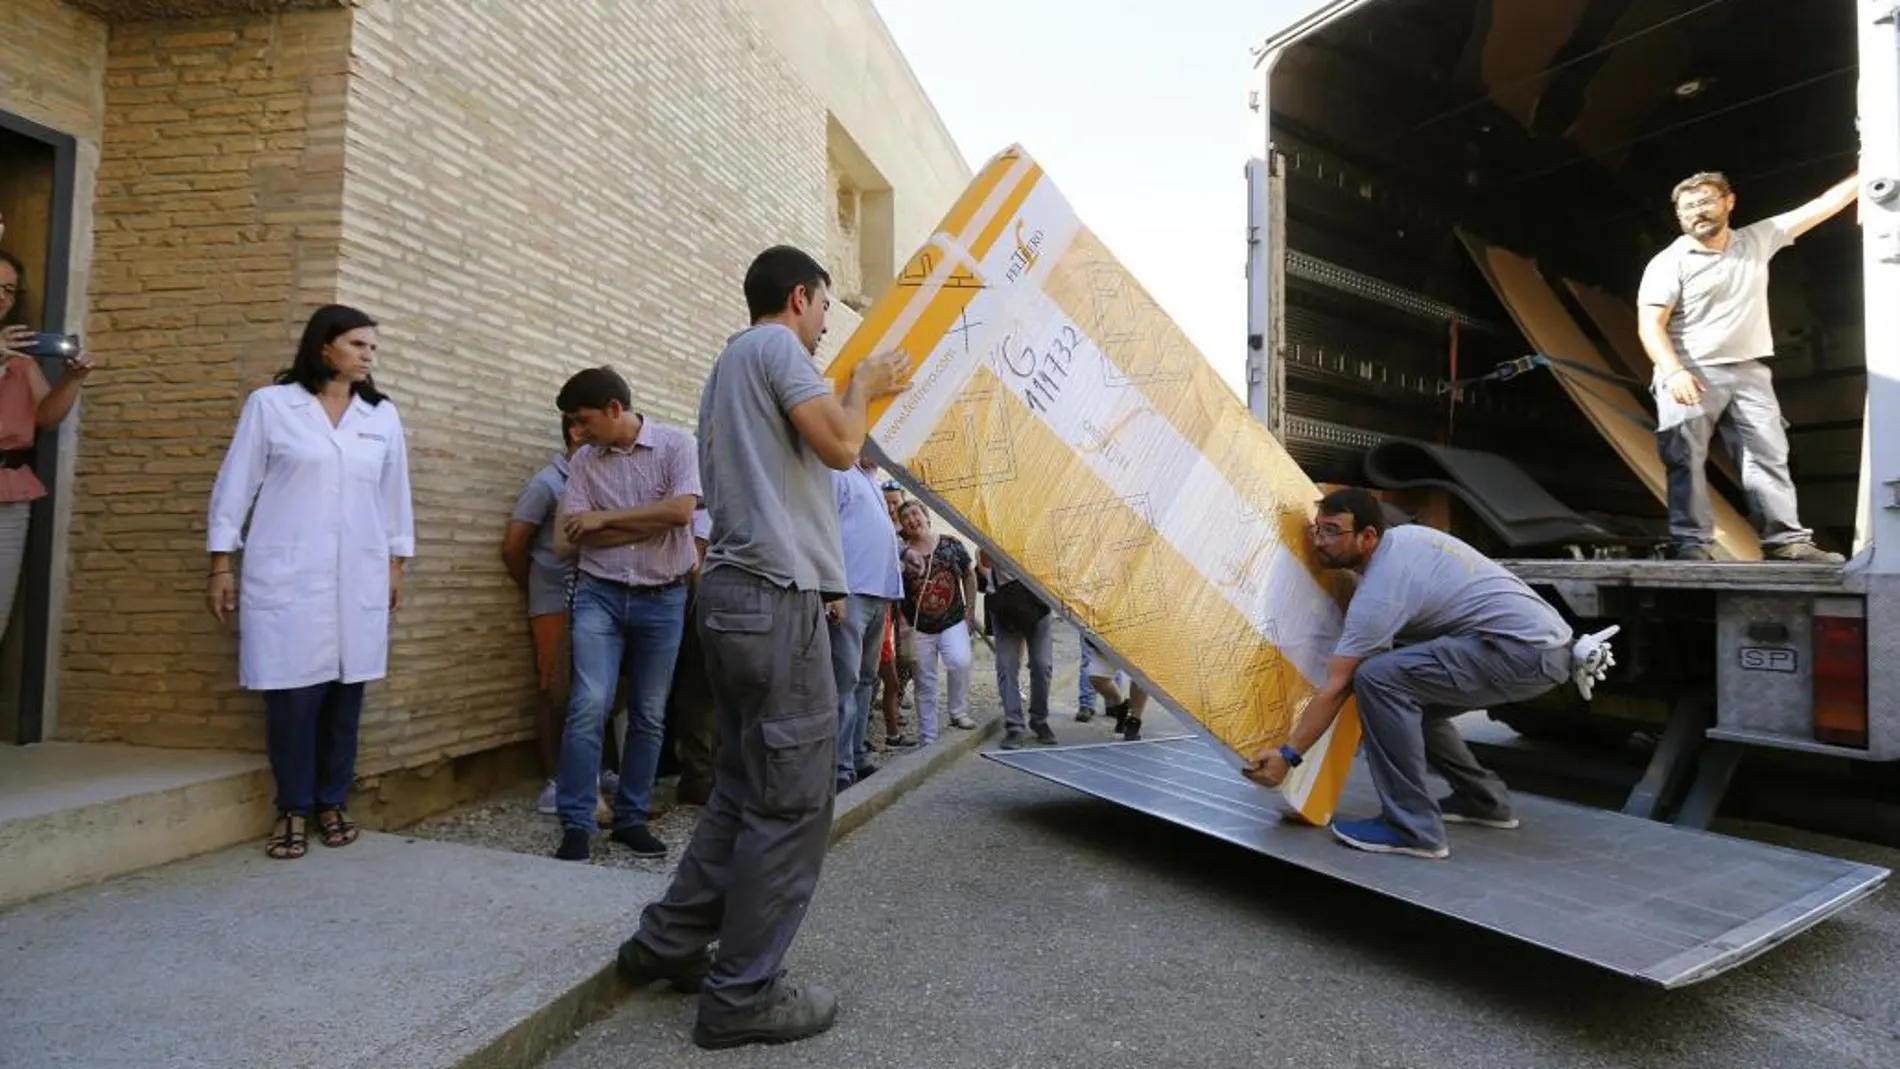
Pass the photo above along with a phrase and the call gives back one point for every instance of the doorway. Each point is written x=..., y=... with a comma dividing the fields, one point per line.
x=37, y=174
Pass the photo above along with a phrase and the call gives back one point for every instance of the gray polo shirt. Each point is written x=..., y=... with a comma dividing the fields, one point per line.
x=769, y=496
x=1720, y=298
x=1423, y=584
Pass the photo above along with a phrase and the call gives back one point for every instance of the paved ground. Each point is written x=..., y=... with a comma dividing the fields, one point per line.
x=990, y=919
x=389, y=953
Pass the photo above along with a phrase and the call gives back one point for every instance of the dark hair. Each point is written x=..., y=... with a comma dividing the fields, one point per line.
x=593, y=388
x=568, y=423
x=14, y=314
x=1715, y=180
x=1366, y=511
x=326, y=325
x=774, y=274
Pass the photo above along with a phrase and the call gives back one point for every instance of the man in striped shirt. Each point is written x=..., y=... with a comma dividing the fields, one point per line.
x=629, y=507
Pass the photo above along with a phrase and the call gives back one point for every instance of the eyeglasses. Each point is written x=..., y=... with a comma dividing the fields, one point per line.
x=1326, y=532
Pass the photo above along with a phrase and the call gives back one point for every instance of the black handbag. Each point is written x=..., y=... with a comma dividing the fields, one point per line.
x=1016, y=608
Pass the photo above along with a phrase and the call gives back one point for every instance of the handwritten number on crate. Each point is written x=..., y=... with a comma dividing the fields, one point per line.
x=1039, y=376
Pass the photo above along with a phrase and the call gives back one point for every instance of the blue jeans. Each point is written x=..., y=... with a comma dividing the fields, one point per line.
x=1738, y=402
x=1084, y=690
x=856, y=643
x=311, y=735
x=612, y=622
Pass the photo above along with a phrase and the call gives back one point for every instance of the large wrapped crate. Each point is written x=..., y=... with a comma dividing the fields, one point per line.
x=1059, y=417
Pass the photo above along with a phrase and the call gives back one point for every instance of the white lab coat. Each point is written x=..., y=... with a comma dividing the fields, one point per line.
x=332, y=507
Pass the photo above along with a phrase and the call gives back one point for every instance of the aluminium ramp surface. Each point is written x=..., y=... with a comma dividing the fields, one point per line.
x=1666, y=905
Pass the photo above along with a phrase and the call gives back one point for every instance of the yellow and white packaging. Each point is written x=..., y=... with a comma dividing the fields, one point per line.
x=1060, y=416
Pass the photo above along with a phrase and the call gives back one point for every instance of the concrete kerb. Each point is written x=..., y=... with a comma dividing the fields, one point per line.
x=520, y=1027
x=542, y=1020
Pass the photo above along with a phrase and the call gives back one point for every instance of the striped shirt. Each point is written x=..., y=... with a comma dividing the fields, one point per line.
x=661, y=463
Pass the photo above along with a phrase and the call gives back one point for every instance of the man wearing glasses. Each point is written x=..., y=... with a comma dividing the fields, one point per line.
x=1435, y=629
x=1703, y=318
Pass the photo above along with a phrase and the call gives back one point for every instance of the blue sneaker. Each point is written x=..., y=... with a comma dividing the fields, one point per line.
x=1378, y=837
x=1460, y=810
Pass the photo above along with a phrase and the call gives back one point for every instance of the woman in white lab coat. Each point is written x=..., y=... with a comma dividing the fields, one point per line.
x=319, y=466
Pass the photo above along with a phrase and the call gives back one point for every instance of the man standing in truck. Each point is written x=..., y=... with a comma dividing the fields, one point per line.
x=1703, y=317
x=1435, y=629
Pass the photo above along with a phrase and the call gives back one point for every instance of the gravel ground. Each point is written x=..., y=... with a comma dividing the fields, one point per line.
x=507, y=820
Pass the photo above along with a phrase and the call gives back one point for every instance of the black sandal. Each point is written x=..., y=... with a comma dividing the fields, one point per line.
x=338, y=829
x=292, y=843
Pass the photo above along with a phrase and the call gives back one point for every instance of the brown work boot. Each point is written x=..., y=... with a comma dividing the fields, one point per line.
x=796, y=1012
x=643, y=968
x=1804, y=553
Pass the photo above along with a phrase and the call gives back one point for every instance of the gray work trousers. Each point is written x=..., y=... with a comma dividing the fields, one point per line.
x=857, y=640
x=1406, y=700
x=749, y=872
x=1041, y=642
x=1738, y=401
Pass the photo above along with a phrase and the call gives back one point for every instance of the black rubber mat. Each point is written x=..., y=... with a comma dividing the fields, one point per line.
x=1520, y=512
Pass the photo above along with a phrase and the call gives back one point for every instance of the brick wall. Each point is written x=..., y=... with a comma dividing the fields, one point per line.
x=52, y=63
x=516, y=192
x=533, y=189
x=219, y=193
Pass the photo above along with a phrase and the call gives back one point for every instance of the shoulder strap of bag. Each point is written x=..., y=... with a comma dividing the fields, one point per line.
x=923, y=585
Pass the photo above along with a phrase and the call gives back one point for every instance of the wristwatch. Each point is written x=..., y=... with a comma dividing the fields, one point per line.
x=1292, y=756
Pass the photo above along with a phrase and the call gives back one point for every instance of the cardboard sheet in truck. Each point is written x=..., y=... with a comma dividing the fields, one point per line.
x=1059, y=416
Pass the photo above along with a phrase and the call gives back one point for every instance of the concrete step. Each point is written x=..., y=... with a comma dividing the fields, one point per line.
x=391, y=952
x=75, y=813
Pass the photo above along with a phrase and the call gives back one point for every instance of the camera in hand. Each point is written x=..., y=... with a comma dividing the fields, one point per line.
x=64, y=346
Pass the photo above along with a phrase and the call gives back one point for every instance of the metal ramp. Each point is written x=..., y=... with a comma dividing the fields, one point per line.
x=1668, y=905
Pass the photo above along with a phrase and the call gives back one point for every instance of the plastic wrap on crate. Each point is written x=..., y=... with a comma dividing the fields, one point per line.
x=1059, y=416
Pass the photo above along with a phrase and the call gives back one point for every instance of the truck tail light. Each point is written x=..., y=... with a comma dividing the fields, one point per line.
x=1840, y=672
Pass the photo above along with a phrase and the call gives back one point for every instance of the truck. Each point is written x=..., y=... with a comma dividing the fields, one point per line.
x=1450, y=203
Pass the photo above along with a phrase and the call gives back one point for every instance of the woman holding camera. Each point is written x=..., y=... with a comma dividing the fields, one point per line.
x=28, y=404
x=320, y=467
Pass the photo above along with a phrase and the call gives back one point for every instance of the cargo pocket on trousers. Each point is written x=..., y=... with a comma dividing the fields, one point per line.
x=745, y=648
x=800, y=762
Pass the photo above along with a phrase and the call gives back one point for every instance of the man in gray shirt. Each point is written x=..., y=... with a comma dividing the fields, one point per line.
x=1435, y=629
x=771, y=431
x=1703, y=318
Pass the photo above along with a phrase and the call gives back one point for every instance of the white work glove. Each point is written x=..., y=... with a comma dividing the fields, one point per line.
x=1591, y=659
